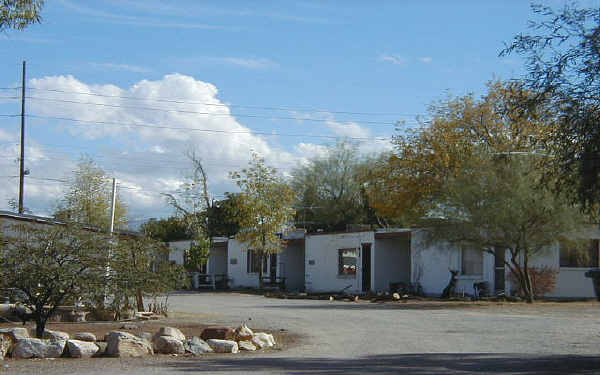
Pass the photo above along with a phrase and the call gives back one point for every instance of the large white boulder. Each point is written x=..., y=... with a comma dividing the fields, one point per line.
x=247, y=346
x=168, y=345
x=84, y=336
x=171, y=332
x=82, y=349
x=55, y=335
x=16, y=333
x=197, y=346
x=123, y=344
x=263, y=340
x=223, y=346
x=36, y=348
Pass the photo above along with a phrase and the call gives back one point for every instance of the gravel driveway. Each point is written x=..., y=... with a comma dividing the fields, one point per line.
x=359, y=338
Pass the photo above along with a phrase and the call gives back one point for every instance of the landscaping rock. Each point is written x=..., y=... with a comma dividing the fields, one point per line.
x=36, y=348
x=223, y=346
x=263, y=340
x=243, y=333
x=396, y=297
x=6, y=344
x=16, y=333
x=123, y=344
x=145, y=335
x=55, y=335
x=247, y=345
x=101, y=348
x=85, y=336
x=219, y=333
x=168, y=345
x=81, y=349
x=130, y=327
x=197, y=346
x=172, y=332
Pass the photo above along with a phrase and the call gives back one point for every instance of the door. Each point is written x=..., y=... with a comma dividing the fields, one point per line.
x=273, y=268
x=499, y=275
x=366, y=267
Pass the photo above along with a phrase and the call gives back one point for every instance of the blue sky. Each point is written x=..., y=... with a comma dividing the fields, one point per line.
x=281, y=78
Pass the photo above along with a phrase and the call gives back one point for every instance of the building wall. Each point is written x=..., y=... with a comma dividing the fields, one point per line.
x=431, y=262
x=291, y=266
x=392, y=262
x=236, y=266
x=177, y=250
x=321, y=263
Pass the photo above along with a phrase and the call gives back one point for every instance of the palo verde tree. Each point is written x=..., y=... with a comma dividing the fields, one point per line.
x=450, y=170
x=562, y=61
x=496, y=202
x=18, y=14
x=52, y=264
x=264, y=208
x=88, y=197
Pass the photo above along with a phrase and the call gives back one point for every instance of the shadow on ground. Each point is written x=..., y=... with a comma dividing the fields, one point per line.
x=378, y=306
x=409, y=364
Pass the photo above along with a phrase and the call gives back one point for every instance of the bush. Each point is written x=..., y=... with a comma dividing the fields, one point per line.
x=542, y=278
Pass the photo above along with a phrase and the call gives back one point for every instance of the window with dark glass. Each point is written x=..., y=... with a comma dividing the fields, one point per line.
x=579, y=254
x=253, y=262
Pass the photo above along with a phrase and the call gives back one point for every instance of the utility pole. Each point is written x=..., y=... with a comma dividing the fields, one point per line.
x=22, y=159
x=112, y=206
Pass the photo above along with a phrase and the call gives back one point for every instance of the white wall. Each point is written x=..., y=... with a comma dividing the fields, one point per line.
x=392, y=262
x=431, y=261
x=177, y=250
x=236, y=266
x=291, y=266
x=322, y=250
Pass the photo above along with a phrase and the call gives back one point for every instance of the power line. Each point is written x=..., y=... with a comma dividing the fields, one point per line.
x=209, y=113
x=270, y=108
x=159, y=126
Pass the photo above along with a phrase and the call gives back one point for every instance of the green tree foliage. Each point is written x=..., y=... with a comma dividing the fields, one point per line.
x=562, y=58
x=18, y=14
x=496, y=202
x=88, y=198
x=264, y=208
x=138, y=268
x=52, y=264
x=197, y=255
x=330, y=190
x=166, y=230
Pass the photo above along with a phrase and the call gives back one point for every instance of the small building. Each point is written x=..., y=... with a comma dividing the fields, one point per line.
x=215, y=269
x=284, y=269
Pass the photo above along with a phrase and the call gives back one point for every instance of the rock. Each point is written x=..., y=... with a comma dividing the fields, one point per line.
x=197, y=346
x=396, y=297
x=84, y=336
x=6, y=344
x=223, y=346
x=55, y=335
x=82, y=349
x=168, y=345
x=172, y=332
x=145, y=335
x=36, y=348
x=123, y=344
x=243, y=333
x=247, y=345
x=130, y=327
x=263, y=340
x=101, y=348
x=16, y=333
x=219, y=333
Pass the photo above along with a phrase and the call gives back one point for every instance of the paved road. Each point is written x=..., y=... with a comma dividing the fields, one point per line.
x=360, y=338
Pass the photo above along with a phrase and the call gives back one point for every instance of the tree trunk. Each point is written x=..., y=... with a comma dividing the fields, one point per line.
x=260, y=272
x=140, y=300
x=529, y=292
x=40, y=326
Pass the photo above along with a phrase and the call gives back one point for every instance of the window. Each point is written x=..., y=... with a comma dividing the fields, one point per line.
x=471, y=262
x=582, y=253
x=347, y=261
x=253, y=262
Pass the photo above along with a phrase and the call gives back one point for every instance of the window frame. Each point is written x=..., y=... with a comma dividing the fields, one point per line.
x=594, y=245
x=341, y=263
